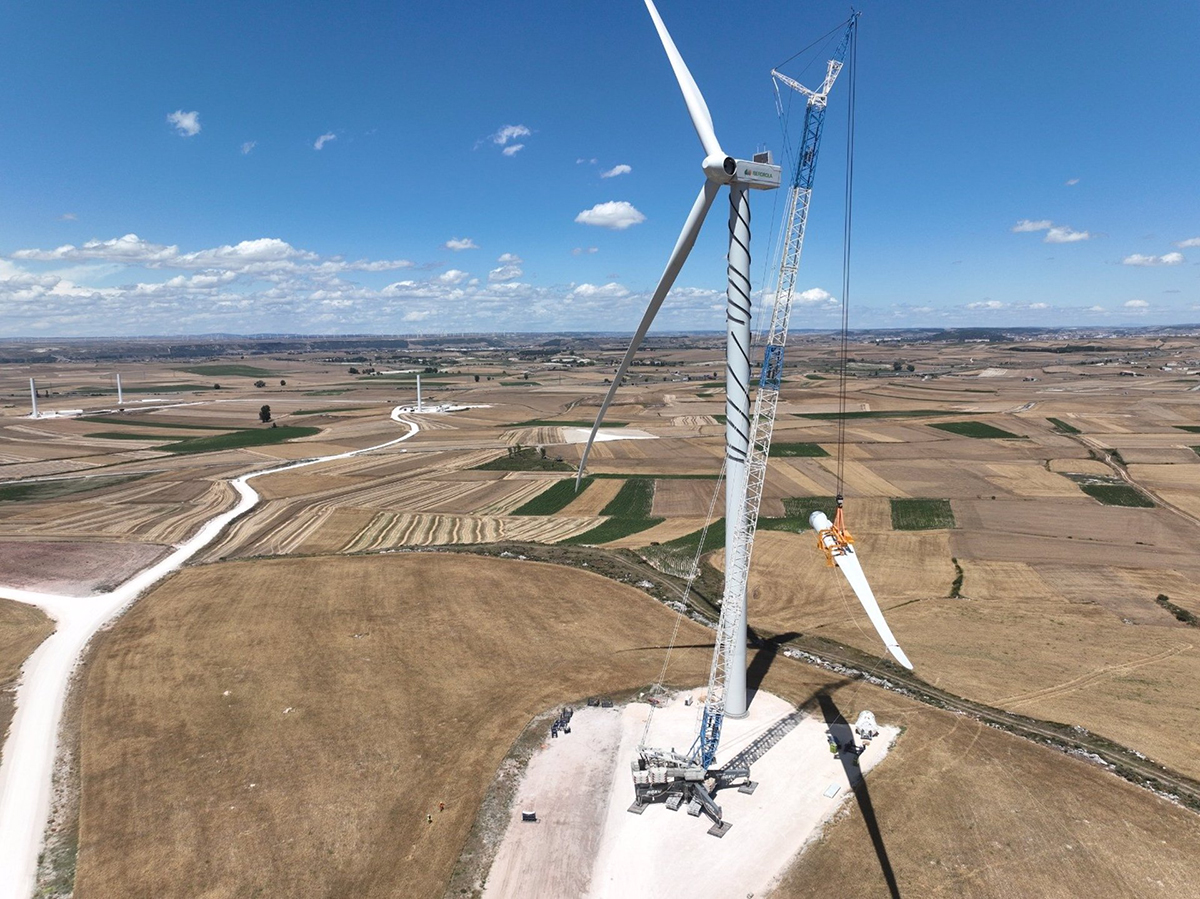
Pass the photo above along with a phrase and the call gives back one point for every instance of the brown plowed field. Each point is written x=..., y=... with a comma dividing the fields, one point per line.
x=73, y=569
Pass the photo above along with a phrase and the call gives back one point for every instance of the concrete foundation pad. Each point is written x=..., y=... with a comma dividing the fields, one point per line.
x=592, y=846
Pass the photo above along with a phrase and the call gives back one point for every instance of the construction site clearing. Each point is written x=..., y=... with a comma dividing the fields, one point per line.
x=573, y=832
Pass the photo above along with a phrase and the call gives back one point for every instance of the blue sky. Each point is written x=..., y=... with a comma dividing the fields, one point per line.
x=1078, y=119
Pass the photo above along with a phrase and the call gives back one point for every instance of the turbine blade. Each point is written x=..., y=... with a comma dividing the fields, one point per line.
x=697, y=108
x=852, y=569
x=683, y=246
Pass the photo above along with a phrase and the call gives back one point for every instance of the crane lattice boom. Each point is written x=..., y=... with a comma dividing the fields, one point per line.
x=737, y=568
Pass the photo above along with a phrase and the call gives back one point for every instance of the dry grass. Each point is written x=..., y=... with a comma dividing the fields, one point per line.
x=22, y=628
x=407, y=678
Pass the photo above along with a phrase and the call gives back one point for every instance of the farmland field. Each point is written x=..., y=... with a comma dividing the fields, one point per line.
x=299, y=741
x=1023, y=574
x=978, y=429
x=785, y=450
x=921, y=514
x=22, y=628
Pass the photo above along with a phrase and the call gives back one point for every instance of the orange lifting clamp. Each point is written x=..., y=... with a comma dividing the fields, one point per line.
x=835, y=539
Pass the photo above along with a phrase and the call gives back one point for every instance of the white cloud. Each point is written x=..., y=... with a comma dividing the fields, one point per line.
x=458, y=244
x=1071, y=182
x=1054, y=233
x=1038, y=306
x=579, y=251
x=323, y=140
x=452, y=276
x=1096, y=309
x=815, y=296
x=187, y=124
x=1145, y=261
x=1190, y=242
x=1137, y=304
x=581, y=161
x=1062, y=234
x=986, y=304
x=509, y=270
x=513, y=149
x=248, y=146
x=616, y=215
x=510, y=132
x=68, y=217
x=617, y=170
x=611, y=290
x=263, y=256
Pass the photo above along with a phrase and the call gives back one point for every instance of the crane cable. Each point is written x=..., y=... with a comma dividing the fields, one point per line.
x=657, y=687
x=852, y=54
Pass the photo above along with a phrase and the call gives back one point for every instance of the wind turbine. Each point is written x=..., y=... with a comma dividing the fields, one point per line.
x=741, y=175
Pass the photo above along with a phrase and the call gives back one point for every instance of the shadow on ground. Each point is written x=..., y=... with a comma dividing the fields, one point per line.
x=841, y=732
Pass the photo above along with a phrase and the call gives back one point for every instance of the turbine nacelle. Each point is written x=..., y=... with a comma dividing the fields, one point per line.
x=722, y=169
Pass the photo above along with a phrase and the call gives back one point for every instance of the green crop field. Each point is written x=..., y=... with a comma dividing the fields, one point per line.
x=1196, y=449
x=549, y=423
x=148, y=422
x=167, y=388
x=520, y=384
x=240, y=439
x=635, y=499
x=921, y=514
x=790, y=450
x=324, y=392
x=1191, y=429
x=232, y=370
x=803, y=506
x=978, y=429
x=713, y=539
x=31, y=491
x=131, y=435
x=613, y=529
x=1112, y=491
x=1060, y=425
x=524, y=460
x=560, y=495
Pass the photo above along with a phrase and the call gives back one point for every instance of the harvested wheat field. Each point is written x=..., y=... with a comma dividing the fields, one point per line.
x=321, y=732
x=300, y=745
x=22, y=628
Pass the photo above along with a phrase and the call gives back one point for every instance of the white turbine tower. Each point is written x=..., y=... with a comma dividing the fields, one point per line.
x=120, y=395
x=741, y=175
x=33, y=398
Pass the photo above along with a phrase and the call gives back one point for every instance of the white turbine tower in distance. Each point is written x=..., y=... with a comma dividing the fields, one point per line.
x=741, y=175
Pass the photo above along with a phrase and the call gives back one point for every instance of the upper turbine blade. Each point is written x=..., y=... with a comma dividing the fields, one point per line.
x=697, y=108
x=683, y=246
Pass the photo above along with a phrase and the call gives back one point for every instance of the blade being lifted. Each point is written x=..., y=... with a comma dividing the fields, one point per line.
x=846, y=558
x=683, y=246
